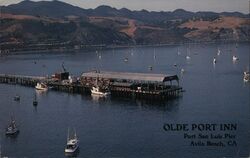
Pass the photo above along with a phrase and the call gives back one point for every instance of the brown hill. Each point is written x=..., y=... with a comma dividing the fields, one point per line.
x=234, y=28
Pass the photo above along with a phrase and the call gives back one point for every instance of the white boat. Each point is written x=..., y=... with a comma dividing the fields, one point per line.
x=214, y=60
x=97, y=91
x=182, y=70
x=235, y=58
x=12, y=128
x=218, y=52
x=188, y=57
x=125, y=59
x=72, y=144
x=246, y=76
x=150, y=67
x=41, y=86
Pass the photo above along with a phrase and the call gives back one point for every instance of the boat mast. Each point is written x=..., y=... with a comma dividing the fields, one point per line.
x=68, y=135
x=75, y=133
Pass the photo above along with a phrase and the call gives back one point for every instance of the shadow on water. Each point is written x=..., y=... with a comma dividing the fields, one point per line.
x=148, y=104
x=145, y=104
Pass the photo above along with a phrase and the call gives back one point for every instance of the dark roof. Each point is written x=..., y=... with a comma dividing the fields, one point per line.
x=131, y=76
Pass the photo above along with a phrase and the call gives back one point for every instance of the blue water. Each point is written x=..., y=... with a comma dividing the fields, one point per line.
x=117, y=127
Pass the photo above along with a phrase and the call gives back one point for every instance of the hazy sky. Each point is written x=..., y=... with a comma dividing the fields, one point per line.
x=160, y=5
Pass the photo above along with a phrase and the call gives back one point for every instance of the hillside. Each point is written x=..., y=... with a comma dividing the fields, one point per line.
x=219, y=29
x=55, y=24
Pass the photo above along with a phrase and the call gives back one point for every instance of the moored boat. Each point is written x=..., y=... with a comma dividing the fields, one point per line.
x=35, y=102
x=235, y=58
x=97, y=91
x=41, y=86
x=214, y=60
x=12, y=128
x=17, y=98
x=246, y=76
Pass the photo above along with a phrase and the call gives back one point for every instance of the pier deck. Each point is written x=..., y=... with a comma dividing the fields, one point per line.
x=135, y=85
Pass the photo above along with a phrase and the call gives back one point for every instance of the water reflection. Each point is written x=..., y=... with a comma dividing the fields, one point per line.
x=98, y=98
x=147, y=104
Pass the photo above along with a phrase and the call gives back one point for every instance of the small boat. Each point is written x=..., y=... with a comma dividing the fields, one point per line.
x=154, y=54
x=35, y=102
x=178, y=52
x=41, y=86
x=214, y=60
x=17, y=98
x=218, y=52
x=182, y=70
x=235, y=58
x=125, y=59
x=150, y=67
x=72, y=144
x=246, y=76
x=99, y=56
x=97, y=91
x=12, y=128
x=188, y=57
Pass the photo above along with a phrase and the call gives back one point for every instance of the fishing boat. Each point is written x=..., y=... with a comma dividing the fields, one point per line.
x=12, y=128
x=17, y=98
x=72, y=144
x=97, y=91
x=41, y=86
x=246, y=76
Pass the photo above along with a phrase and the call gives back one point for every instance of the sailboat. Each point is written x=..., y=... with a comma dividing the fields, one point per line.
x=125, y=59
x=218, y=52
x=154, y=54
x=214, y=60
x=246, y=76
x=178, y=52
x=35, y=102
x=235, y=58
x=12, y=128
x=188, y=56
x=182, y=71
x=72, y=144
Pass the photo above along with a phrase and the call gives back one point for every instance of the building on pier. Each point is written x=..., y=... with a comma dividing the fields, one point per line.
x=134, y=84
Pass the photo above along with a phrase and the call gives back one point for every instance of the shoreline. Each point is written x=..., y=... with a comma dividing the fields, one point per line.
x=107, y=47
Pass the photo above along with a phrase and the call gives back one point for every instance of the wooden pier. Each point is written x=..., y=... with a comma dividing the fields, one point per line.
x=134, y=85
